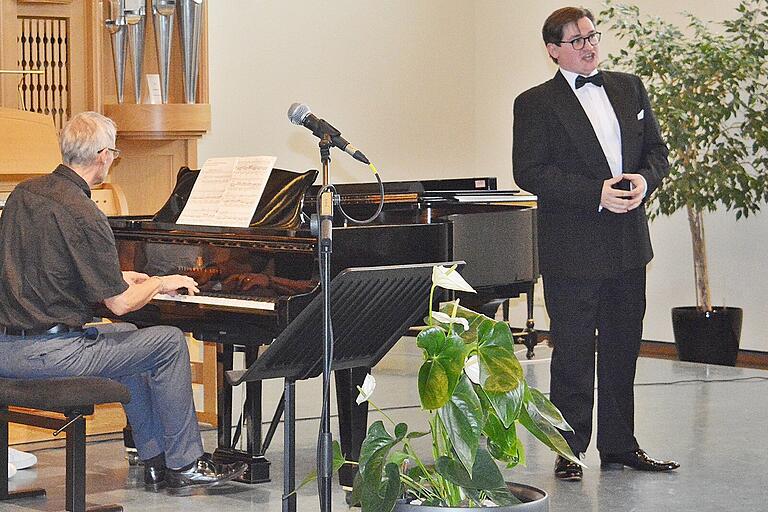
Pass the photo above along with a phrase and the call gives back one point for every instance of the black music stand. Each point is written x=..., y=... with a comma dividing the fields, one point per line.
x=372, y=308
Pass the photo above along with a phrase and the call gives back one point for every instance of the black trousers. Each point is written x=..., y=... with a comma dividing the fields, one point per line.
x=604, y=315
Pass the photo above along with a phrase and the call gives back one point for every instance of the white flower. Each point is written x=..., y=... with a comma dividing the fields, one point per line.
x=472, y=369
x=369, y=384
x=448, y=319
x=450, y=279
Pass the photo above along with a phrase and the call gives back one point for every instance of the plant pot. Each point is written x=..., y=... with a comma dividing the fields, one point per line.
x=533, y=500
x=707, y=336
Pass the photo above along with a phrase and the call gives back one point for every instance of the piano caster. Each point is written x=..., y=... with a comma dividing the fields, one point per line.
x=258, y=465
x=529, y=338
x=132, y=456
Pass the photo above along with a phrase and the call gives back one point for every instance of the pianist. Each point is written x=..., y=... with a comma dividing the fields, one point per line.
x=57, y=260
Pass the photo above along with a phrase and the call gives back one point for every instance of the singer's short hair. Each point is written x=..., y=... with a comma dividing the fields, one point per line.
x=552, y=31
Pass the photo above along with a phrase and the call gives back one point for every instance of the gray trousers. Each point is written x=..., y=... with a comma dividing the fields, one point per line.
x=153, y=363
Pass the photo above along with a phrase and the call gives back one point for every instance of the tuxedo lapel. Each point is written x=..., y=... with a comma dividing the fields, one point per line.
x=577, y=125
x=623, y=109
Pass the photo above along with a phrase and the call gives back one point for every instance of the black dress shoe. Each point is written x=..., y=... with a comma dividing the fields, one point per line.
x=203, y=473
x=154, y=477
x=567, y=470
x=636, y=459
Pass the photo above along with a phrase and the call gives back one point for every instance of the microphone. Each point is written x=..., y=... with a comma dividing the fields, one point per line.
x=300, y=114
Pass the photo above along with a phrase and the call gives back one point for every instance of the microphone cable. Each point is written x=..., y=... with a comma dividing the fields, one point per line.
x=341, y=208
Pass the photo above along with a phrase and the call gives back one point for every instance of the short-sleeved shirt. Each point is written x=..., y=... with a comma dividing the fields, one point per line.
x=57, y=254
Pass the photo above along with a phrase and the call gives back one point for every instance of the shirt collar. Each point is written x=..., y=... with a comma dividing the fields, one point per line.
x=65, y=172
x=570, y=77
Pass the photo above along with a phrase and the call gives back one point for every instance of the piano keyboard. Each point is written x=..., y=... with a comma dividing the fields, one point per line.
x=259, y=303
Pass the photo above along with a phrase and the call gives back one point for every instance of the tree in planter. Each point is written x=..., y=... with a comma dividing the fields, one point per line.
x=709, y=90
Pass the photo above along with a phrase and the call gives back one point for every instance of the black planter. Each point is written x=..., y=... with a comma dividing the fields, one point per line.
x=707, y=337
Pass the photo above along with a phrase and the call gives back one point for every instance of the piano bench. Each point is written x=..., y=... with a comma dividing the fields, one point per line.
x=74, y=397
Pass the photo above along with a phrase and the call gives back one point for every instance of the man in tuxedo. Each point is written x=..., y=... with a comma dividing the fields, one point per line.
x=587, y=144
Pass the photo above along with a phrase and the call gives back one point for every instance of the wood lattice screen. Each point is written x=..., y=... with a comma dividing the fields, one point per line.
x=43, y=44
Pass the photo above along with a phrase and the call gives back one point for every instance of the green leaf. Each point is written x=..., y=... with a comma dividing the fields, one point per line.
x=374, y=451
x=543, y=430
x=380, y=496
x=356, y=496
x=500, y=370
x=546, y=409
x=503, y=443
x=444, y=363
x=463, y=419
x=485, y=477
x=507, y=405
x=485, y=472
x=502, y=497
x=397, y=458
x=453, y=471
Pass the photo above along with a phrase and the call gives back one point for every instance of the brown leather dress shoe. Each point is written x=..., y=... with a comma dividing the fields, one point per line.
x=636, y=459
x=567, y=470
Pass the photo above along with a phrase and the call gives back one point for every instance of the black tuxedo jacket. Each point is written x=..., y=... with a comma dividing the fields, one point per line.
x=556, y=155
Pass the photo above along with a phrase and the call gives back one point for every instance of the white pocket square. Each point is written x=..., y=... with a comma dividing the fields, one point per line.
x=641, y=114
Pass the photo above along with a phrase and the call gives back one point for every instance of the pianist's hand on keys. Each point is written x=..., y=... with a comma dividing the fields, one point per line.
x=174, y=283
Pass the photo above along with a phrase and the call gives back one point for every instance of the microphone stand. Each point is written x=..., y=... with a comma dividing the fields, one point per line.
x=325, y=248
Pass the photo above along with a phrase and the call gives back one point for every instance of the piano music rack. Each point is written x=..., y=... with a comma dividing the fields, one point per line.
x=371, y=308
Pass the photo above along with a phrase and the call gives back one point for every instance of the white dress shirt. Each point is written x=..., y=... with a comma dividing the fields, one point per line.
x=598, y=108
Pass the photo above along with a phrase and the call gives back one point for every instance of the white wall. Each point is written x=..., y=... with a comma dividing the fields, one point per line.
x=395, y=77
x=425, y=88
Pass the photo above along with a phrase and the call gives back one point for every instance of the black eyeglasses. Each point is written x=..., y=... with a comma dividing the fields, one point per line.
x=115, y=151
x=579, y=42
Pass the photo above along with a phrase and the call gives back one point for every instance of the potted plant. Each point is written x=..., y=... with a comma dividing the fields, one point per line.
x=473, y=391
x=708, y=88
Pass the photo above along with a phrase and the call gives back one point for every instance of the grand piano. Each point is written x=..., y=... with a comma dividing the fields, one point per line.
x=254, y=281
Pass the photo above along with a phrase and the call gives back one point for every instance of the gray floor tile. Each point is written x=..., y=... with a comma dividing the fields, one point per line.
x=711, y=419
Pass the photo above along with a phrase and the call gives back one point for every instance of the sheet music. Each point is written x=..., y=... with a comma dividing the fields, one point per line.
x=227, y=191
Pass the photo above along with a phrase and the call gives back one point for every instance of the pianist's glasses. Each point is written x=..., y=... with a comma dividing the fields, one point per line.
x=579, y=42
x=115, y=151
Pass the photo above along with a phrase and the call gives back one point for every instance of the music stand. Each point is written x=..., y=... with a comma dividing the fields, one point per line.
x=372, y=308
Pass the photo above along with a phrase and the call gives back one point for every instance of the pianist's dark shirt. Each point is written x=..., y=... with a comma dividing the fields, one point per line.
x=57, y=254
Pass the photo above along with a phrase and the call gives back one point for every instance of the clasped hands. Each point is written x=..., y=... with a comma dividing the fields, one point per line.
x=617, y=200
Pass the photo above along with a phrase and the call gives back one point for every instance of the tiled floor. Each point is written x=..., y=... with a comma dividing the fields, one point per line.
x=711, y=419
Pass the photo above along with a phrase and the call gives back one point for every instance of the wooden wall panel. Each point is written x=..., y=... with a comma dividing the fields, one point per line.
x=156, y=139
x=147, y=172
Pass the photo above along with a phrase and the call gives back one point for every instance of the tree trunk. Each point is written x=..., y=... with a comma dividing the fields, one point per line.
x=700, y=269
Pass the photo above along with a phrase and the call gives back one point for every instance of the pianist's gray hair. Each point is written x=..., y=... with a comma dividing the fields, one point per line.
x=84, y=136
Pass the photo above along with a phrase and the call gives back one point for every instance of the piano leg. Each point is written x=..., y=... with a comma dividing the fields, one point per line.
x=353, y=420
x=224, y=399
x=258, y=465
x=531, y=338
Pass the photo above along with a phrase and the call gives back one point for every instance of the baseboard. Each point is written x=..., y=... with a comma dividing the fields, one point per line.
x=666, y=350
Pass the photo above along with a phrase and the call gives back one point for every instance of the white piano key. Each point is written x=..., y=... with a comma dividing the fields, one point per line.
x=260, y=303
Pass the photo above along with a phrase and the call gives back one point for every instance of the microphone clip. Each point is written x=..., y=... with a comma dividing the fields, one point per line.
x=323, y=128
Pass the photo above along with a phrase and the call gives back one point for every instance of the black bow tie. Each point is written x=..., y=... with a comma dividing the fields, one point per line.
x=596, y=79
